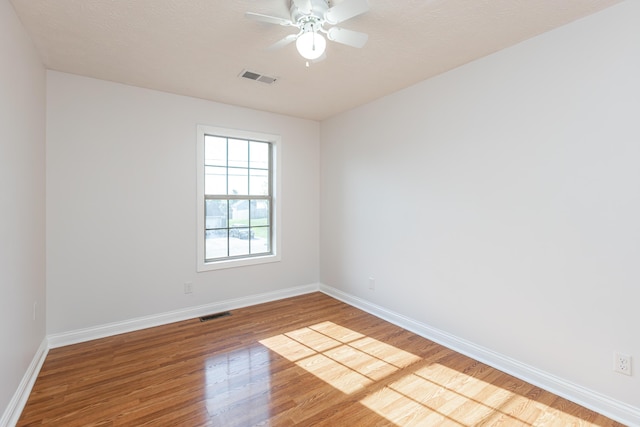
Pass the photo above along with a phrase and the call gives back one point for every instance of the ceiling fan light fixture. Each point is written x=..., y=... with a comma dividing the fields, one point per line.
x=311, y=45
x=310, y=17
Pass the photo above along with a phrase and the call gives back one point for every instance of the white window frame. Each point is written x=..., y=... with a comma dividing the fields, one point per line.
x=276, y=148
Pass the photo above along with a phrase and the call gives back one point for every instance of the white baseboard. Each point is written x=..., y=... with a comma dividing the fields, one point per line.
x=16, y=405
x=110, y=329
x=593, y=400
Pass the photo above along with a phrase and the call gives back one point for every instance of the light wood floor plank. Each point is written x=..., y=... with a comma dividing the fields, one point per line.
x=308, y=360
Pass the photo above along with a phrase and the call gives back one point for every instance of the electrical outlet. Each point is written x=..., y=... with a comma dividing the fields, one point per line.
x=372, y=284
x=188, y=288
x=622, y=363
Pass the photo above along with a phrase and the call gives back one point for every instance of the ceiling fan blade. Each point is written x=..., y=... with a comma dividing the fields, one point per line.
x=348, y=37
x=270, y=19
x=304, y=6
x=346, y=10
x=283, y=42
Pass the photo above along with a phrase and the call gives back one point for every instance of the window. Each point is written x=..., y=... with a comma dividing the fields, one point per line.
x=237, y=203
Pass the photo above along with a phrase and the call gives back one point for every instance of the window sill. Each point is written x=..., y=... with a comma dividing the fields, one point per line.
x=234, y=263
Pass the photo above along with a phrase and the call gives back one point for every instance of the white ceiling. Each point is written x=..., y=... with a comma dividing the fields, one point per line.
x=199, y=47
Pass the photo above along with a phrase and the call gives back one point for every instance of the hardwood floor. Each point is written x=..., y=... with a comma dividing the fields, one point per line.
x=308, y=360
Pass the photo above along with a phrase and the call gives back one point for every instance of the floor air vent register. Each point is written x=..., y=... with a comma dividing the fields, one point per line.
x=215, y=316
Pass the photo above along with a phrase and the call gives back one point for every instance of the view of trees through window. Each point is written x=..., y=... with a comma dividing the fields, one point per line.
x=238, y=197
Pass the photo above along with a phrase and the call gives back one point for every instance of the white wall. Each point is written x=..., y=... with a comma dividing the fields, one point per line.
x=121, y=203
x=500, y=202
x=22, y=190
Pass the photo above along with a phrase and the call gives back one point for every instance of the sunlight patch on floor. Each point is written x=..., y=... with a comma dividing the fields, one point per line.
x=439, y=395
x=346, y=359
x=429, y=393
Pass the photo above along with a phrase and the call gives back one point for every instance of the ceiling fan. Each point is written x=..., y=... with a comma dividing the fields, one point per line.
x=310, y=18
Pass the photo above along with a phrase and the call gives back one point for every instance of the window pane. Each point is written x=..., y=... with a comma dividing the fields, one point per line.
x=215, y=180
x=239, y=182
x=242, y=233
x=239, y=241
x=216, y=244
x=215, y=214
x=259, y=155
x=261, y=242
x=215, y=151
x=259, y=182
x=259, y=212
x=239, y=212
x=238, y=153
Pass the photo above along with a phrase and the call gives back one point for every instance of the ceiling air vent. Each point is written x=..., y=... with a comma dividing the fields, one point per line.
x=258, y=77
